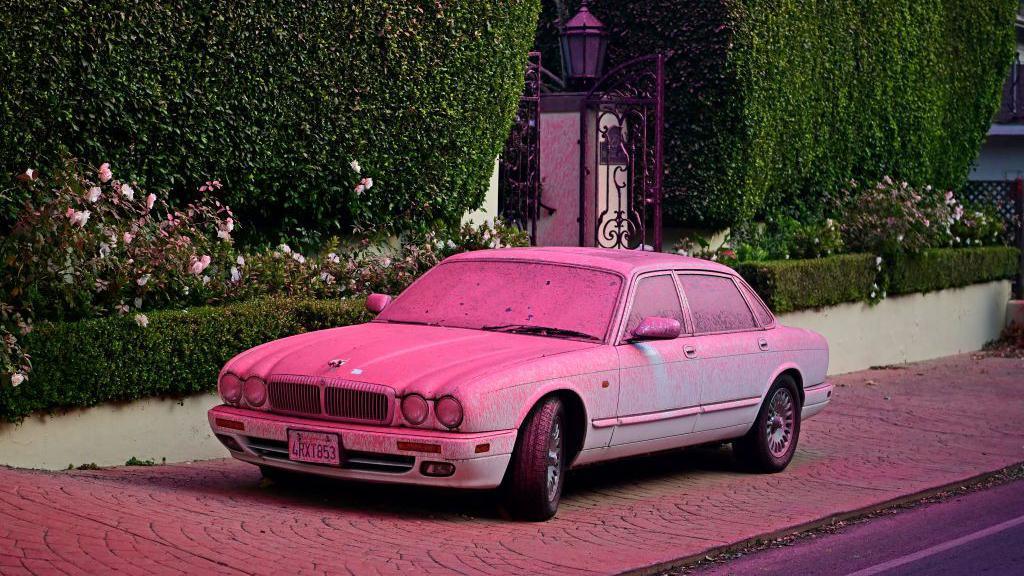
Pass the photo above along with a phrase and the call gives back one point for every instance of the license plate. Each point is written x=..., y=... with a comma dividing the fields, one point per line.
x=315, y=447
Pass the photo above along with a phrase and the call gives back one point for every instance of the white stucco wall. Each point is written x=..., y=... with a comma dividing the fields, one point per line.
x=897, y=330
x=489, y=209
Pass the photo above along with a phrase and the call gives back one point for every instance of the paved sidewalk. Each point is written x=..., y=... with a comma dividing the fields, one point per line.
x=888, y=434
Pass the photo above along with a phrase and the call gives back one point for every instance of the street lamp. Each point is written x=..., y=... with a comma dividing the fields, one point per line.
x=583, y=40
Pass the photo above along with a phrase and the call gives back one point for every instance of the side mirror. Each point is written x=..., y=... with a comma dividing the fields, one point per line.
x=657, y=328
x=376, y=303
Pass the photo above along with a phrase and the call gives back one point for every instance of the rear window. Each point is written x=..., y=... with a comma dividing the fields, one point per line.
x=716, y=305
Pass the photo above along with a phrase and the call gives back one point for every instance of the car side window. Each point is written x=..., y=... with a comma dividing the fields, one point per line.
x=655, y=296
x=716, y=305
x=764, y=317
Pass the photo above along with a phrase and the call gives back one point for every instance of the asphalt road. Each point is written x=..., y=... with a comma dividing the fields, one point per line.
x=978, y=533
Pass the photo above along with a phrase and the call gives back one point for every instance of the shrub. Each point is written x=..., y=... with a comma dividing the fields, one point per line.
x=789, y=285
x=275, y=98
x=775, y=103
x=81, y=364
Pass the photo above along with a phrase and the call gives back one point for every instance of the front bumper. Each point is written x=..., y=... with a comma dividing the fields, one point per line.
x=369, y=453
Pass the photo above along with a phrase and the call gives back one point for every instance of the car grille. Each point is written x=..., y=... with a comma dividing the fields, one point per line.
x=331, y=399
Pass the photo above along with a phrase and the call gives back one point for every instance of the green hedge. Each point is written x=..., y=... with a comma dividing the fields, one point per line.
x=274, y=98
x=81, y=364
x=774, y=103
x=952, y=267
x=788, y=285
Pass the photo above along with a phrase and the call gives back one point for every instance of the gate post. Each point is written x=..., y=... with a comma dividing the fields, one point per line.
x=1018, y=200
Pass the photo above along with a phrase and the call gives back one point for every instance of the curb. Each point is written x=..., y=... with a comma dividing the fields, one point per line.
x=660, y=567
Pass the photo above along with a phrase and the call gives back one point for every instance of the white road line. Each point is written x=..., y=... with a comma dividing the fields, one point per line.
x=984, y=533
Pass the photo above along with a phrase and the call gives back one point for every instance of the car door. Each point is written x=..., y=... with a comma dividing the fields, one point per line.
x=726, y=344
x=658, y=384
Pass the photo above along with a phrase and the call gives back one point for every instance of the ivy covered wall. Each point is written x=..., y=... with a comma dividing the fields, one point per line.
x=273, y=97
x=777, y=103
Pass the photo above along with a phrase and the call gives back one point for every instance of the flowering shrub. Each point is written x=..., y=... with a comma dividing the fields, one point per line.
x=782, y=238
x=88, y=245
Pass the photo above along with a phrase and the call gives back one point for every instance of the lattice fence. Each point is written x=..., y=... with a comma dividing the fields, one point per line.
x=999, y=193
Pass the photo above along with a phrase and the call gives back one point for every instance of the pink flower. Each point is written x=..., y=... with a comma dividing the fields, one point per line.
x=210, y=186
x=94, y=194
x=200, y=264
x=142, y=320
x=150, y=200
x=79, y=218
x=105, y=173
x=359, y=189
x=366, y=183
x=127, y=191
x=128, y=237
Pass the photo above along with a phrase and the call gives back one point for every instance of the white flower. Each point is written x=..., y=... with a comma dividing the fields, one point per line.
x=79, y=218
x=236, y=276
x=143, y=279
x=223, y=234
x=878, y=260
x=299, y=258
x=127, y=192
x=17, y=378
x=93, y=194
x=326, y=277
x=285, y=248
x=184, y=290
x=206, y=279
x=450, y=244
x=333, y=258
x=872, y=294
x=240, y=260
x=899, y=238
x=104, y=249
x=355, y=166
x=138, y=302
x=142, y=320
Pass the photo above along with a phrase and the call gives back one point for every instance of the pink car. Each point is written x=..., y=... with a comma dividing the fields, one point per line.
x=507, y=367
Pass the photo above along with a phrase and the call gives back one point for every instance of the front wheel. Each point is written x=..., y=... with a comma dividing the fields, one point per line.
x=771, y=443
x=537, y=471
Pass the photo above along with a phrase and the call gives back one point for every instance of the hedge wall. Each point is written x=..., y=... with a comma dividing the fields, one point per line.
x=274, y=98
x=789, y=285
x=81, y=364
x=774, y=103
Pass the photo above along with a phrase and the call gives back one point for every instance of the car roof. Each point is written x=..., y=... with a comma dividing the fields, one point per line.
x=625, y=262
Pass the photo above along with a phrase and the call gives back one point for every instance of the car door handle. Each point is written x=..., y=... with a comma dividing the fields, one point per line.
x=690, y=351
x=762, y=344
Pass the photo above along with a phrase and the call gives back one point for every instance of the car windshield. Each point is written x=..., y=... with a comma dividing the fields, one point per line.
x=521, y=297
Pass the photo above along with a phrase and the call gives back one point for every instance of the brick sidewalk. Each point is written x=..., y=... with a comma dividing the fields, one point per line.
x=888, y=434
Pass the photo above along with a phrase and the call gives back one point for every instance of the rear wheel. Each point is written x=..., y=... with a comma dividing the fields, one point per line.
x=537, y=471
x=769, y=446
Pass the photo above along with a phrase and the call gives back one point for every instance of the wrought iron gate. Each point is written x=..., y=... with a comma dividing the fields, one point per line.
x=621, y=157
x=519, y=165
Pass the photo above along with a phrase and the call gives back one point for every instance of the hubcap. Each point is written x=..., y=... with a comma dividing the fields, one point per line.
x=781, y=420
x=554, y=460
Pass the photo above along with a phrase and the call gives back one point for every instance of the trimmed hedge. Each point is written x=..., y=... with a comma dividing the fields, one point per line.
x=951, y=268
x=789, y=285
x=773, y=103
x=82, y=364
x=274, y=98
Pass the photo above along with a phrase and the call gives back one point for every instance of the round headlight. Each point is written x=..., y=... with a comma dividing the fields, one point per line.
x=414, y=409
x=230, y=388
x=448, y=411
x=255, y=390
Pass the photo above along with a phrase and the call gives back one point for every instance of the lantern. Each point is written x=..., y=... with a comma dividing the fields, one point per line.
x=584, y=40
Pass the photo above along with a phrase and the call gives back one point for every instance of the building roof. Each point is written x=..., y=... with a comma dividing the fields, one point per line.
x=625, y=262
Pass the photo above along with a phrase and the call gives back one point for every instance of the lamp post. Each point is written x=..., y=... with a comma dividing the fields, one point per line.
x=583, y=40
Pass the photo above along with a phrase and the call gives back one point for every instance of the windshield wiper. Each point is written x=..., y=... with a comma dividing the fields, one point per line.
x=539, y=330
x=415, y=322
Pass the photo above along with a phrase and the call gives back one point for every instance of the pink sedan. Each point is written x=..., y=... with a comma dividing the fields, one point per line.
x=504, y=368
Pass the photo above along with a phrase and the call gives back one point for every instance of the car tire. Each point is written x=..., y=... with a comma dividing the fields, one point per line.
x=533, y=485
x=770, y=444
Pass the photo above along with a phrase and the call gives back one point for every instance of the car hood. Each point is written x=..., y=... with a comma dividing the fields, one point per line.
x=409, y=358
